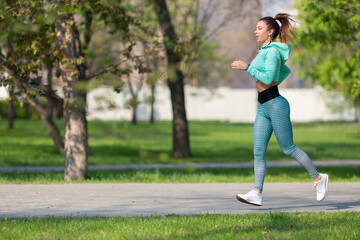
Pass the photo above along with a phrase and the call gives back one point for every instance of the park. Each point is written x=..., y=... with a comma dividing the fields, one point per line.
x=125, y=120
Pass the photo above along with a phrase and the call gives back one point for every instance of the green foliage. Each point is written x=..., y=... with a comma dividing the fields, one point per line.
x=328, y=46
x=28, y=38
x=198, y=54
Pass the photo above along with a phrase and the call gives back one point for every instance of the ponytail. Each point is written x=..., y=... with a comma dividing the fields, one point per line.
x=284, y=29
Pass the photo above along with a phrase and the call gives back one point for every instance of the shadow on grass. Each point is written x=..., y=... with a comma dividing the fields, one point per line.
x=190, y=175
x=211, y=141
x=333, y=206
x=233, y=153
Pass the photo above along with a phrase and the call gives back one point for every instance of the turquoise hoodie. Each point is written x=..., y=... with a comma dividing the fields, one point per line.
x=269, y=64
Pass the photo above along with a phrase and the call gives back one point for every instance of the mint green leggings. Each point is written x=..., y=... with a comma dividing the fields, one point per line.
x=274, y=115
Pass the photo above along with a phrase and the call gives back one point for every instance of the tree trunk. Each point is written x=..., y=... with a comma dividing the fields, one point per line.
x=134, y=118
x=53, y=103
x=50, y=101
x=11, y=110
x=76, y=145
x=48, y=122
x=357, y=106
x=27, y=110
x=133, y=102
x=18, y=79
x=181, y=143
x=152, y=120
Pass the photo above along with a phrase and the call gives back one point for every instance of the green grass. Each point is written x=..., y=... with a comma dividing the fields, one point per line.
x=122, y=143
x=190, y=175
x=335, y=225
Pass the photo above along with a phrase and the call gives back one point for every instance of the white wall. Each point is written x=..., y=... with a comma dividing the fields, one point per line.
x=234, y=105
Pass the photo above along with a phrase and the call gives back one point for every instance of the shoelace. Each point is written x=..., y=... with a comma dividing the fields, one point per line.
x=317, y=186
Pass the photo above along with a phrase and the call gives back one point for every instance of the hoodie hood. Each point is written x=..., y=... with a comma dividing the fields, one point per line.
x=283, y=48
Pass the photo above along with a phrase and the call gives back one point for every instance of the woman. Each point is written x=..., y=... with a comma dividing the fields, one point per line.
x=269, y=70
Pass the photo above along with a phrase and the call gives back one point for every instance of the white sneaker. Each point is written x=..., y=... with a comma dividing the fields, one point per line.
x=321, y=187
x=252, y=197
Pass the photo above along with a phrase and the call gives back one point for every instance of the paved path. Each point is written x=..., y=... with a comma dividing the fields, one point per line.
x=162, y=199
x=183, y=166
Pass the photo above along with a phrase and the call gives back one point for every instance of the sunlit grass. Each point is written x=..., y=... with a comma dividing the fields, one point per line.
x=334, y=225
x=122, y=143
x=190, y=175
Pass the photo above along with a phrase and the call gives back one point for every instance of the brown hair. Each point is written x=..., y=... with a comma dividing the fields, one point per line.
x=285, y=32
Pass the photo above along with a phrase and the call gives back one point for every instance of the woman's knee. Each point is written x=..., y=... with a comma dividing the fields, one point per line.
x=289, y=151
x=259, y=153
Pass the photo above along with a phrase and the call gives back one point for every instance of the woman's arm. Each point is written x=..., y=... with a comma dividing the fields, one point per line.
x=272, y=65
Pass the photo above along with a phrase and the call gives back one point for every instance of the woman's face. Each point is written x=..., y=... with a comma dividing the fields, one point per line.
x=261, y=32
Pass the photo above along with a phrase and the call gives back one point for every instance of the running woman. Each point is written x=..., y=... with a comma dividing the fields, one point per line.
x=269, y=70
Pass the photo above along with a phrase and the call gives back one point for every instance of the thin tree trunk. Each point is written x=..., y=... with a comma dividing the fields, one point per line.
x=51, y=102
x=133, y=102
x=18, y=78
x=181, y=143
x=57, y=111
x=134, y=118
x=152, y=119
x=48, y=122
x=76, y=145
x=11, y=110
x=357, y=106
x=27, y=110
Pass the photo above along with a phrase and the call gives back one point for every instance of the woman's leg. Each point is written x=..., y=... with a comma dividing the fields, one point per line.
x=261, y=133
x=279, y=111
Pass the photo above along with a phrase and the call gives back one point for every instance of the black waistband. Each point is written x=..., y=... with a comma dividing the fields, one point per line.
x=268, y=94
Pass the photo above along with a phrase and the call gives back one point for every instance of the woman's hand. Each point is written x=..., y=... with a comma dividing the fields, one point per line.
x=239, y=65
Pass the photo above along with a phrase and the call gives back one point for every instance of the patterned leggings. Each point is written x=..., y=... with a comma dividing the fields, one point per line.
x=274, y=115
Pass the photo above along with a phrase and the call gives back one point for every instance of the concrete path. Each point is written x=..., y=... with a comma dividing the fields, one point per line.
x=348, y=162
x=163, y=199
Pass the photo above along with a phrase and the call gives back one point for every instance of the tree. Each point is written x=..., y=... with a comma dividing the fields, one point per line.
x=24, y=39
x=198, y=24
x=181, y=142
x=328, y=45
x=184, y=36
x=150, y=50
x=56, y=27
x=135, y=88
x=73, y=69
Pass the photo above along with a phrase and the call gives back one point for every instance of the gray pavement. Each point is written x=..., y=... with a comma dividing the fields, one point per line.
x=348, y=162
x=163, y=199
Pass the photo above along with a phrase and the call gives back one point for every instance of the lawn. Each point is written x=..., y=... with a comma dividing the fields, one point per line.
x=122, y=143
x=276, y=225
x=190, y=175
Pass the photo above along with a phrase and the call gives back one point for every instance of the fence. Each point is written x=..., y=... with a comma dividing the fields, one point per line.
x=224, y=104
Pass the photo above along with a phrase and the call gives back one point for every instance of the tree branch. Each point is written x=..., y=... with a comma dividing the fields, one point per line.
x=222, y=24
x=108, y=69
